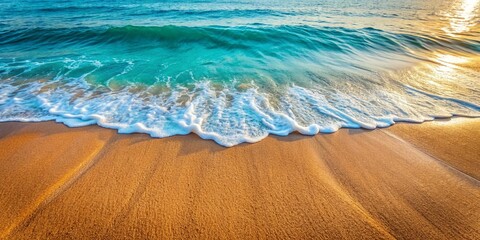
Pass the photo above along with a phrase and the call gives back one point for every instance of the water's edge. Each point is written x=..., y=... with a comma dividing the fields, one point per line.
x=58, y=121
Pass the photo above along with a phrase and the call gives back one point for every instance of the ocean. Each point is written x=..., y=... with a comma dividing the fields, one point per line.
x=237, y=71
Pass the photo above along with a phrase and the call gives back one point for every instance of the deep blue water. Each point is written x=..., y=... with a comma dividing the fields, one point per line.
x=237, y=71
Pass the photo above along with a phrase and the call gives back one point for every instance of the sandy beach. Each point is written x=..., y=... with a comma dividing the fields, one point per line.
x=409, y=181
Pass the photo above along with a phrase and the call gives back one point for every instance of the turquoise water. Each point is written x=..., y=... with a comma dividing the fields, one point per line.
x=237, y=72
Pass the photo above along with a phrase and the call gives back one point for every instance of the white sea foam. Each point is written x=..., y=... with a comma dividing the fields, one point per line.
x=227, y=115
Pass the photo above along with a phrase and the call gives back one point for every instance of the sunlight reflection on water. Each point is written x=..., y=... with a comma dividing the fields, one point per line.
x=464, y=16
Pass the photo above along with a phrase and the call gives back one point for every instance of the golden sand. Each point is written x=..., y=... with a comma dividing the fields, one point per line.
x=408, y=181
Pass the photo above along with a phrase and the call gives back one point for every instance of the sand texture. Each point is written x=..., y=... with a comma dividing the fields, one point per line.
x=411, y=181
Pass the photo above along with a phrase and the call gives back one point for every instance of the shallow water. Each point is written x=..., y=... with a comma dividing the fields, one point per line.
x=236, y=72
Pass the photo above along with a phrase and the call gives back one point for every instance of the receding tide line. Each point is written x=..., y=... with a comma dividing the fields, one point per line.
x=53, y=191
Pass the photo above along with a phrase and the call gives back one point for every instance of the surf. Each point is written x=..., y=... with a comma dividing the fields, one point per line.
x=232, y=82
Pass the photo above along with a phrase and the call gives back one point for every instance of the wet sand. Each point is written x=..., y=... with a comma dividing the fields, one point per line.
x=409, y=181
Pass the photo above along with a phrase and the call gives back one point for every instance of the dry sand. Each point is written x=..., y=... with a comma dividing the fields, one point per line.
x=408, y=181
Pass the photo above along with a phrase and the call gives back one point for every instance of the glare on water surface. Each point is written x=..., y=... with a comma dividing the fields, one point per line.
x=464, y=15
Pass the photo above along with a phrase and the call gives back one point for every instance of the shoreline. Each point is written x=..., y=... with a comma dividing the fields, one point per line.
x=404, y=181
x=294, y=132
